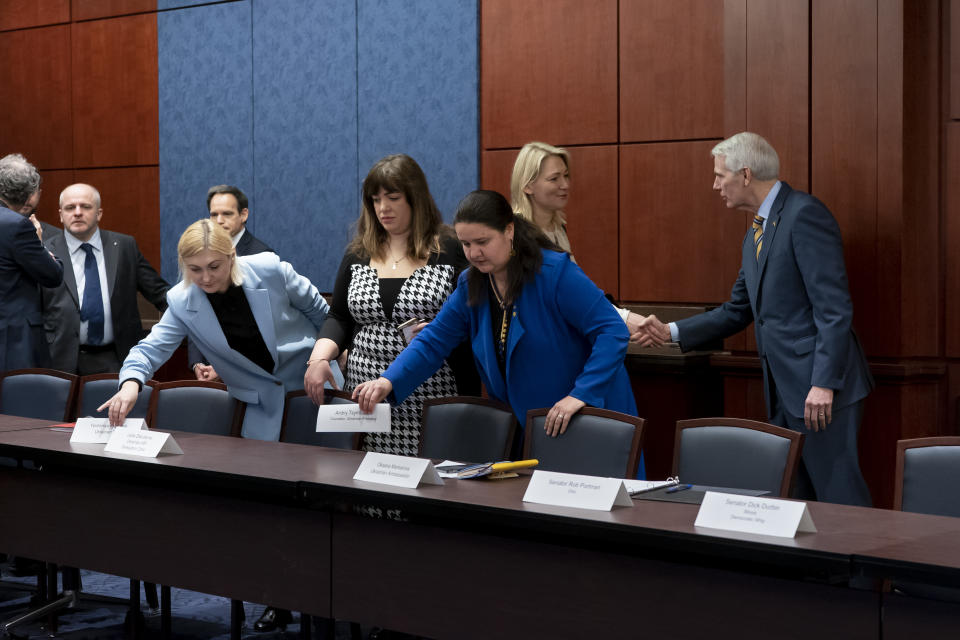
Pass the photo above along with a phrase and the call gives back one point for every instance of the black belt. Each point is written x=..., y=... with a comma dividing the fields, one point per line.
x=95, y=348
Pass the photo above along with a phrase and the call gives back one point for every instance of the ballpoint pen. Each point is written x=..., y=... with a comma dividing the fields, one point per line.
x=679, y=487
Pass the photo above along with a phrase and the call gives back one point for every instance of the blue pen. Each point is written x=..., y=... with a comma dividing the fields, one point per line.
x=679, y=487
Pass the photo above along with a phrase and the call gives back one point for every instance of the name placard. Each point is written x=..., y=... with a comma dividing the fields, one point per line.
x=751, y=514
x=98, y=430
x=337, y=418
x=570, y=490
x=146, y=444
x=397, y=471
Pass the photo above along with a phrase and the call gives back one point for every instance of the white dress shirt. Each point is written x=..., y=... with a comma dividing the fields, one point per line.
x=78, y=257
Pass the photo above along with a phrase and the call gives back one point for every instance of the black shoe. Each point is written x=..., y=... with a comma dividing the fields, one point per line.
x=272, y=619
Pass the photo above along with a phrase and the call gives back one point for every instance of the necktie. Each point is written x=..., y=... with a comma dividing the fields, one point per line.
x=758, y=234
x=91, y=308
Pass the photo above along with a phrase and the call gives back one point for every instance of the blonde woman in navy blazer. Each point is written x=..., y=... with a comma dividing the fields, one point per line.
x=543, y=334
x=287, y=309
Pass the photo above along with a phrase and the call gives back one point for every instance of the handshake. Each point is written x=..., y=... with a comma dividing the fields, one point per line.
x=647, y=331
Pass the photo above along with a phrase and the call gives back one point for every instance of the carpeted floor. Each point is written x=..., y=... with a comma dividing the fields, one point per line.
x=196, y=616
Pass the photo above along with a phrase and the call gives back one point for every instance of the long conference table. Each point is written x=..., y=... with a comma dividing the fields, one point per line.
x=287, y=525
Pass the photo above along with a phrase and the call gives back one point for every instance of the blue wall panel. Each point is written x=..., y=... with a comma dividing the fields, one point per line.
x=417, y=76
x=206, y=114
x=305, y=130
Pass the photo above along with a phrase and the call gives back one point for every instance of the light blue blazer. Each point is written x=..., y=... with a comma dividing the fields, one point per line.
x=289, y=312
x=565, y=339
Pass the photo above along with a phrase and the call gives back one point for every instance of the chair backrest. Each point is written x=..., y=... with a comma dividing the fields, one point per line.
x=597, y=442
x=94, y=390
x=300, y=421
x=737, y=453
x=196, y=406
x=46, y=394
x=466, y=429
x=927, y=471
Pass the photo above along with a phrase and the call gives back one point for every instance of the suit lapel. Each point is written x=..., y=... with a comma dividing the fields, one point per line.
x=259, y=300
x=199, y=316
x=59, y=246
x=111, y=253
x=486, y=352
x=770, y=234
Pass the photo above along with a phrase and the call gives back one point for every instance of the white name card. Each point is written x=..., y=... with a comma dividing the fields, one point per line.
x=336, y=418
x=750, y=514
x=569, y=490
x=98, y=430
x=398, y=471
x=146, y=444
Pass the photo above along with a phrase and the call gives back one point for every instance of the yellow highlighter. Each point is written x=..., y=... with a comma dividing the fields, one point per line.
x=496, y=469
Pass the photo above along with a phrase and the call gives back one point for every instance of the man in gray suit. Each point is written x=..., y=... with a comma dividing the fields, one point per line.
x=793, y=286
x=92, y=318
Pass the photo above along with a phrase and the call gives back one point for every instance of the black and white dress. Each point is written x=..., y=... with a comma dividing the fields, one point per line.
x=364, y=315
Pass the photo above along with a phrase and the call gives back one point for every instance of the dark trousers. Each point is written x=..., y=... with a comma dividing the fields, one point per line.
x=97, y=360
x=830, y=463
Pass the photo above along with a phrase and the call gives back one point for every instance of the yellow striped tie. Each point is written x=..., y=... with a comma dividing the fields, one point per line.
x=758, y=234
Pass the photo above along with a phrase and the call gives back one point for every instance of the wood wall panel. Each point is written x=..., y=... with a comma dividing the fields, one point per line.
x=53, y=183
x=592, y=223
x=671, y=70
x=115, y=92
x=678, y=243
x=734, y=66
x=20, y=14
x=35, y=79
x=918, y=103
x=548, y=72
x=90, y=9
x=777, y=91
x=129, y=199
x=844, y=160
x=951, y=241
x=954, y=59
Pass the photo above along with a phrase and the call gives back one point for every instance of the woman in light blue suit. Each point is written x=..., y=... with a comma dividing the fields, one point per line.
x=543, y=334
x=254, y=318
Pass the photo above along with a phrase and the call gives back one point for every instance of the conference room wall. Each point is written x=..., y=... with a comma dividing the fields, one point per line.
x=293, y=100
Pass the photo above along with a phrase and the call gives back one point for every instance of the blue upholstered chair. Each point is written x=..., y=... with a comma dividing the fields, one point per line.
x=96, y=389
x=737, y=453
x=196, y=406
x=45, y=394
x=597, y=442
x=300, y=421
x=928, y=470
x=466, y=429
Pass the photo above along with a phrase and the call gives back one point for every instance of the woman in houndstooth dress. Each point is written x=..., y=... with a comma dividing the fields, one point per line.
x=402, y=264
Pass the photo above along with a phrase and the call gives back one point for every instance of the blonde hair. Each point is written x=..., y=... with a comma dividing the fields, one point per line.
x=526, y=169
x=204, y=234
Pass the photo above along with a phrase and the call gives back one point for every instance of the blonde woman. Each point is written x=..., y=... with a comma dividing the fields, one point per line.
x=539, y=189
x=254, y=317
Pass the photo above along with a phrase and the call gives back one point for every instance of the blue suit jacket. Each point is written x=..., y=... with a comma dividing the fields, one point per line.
x=565, y=339
x=289, y=312
x=248, y=245
x=24, y=264
x=797, y=295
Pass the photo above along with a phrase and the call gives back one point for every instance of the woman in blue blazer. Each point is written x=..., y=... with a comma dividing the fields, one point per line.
x=254, y=317
x=543, y=334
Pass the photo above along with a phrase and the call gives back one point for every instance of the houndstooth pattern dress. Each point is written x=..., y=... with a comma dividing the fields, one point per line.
x=378, y=343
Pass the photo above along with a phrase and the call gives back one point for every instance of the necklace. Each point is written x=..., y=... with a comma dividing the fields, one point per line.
x=397, y=261
x=505, y=321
